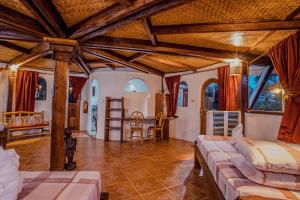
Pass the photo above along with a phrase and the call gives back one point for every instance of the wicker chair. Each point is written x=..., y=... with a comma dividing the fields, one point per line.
x=136, y=124
x=158, y=127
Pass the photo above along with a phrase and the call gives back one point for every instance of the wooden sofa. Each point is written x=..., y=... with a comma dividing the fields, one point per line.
x=24, y=121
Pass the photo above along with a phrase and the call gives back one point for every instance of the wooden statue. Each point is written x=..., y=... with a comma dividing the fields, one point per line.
x=70, y=149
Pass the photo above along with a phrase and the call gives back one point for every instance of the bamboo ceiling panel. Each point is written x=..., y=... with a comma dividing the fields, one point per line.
x=133, y=29
x=188, y=60
x=7, y=54
x=272, y=40
x=218, y=40
x=225, y=11
x=160, y=66
x=73, y=11
x=17, y=6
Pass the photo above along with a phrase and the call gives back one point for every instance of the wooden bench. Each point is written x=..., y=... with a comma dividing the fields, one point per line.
x=24, y=121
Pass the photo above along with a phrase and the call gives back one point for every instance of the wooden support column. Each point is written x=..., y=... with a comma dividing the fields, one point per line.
x=62, y=56
x=244, y=92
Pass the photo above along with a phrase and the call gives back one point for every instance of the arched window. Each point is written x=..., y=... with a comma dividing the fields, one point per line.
x=183, y=94
x=41, y=89
x=212, y=97
x=136, y=85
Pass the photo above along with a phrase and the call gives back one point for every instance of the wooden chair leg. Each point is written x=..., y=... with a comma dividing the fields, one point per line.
x=130, y=135
x=142, y=133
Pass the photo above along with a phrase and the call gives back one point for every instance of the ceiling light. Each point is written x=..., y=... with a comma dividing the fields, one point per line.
x=14, y=67
x=237, y=39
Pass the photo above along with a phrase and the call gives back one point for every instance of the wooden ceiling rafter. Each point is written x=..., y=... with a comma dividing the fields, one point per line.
x=7, y=33
x=148, y=27
x=143, y=10
x=38, y=51
x=47, y=13
x=136, y=56
x=145, y=46
x=113, y=14
x=225, y=27
x=37, y=14
x=14, y=47
x=20, y=22
x=113, y=58
x=77, y=58
x=111, y=66
x=125, y=2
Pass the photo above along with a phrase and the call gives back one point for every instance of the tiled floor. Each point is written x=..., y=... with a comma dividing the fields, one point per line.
x=129, y=170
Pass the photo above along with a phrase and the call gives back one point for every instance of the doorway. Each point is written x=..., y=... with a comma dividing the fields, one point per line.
x=94, y=107
x=209, y=101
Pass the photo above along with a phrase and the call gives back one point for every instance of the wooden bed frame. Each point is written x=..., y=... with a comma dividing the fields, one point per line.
x=199, y=163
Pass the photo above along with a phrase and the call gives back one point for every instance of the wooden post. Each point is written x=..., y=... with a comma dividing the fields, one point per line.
x=244, y=93
x=59, y=110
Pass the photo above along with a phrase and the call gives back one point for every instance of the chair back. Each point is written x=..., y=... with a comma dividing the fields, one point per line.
x=160, y=119
x=137, y=119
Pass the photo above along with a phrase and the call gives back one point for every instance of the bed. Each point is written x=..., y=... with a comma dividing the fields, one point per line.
x=212, y=154
x=76, y=185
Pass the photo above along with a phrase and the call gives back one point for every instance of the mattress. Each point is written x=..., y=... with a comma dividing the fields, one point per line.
x=217, y=151
x=75, y=185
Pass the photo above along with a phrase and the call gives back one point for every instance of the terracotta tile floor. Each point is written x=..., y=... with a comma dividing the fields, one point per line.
x=129, y=170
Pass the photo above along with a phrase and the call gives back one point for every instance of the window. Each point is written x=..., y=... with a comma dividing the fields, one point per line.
x=41, y=89
x=183, y=94
x=136, y=85
x=265, y=92
x=212, y=97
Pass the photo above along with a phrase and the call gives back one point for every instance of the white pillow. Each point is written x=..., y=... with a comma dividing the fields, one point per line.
x=10, y=178
x=237, y=134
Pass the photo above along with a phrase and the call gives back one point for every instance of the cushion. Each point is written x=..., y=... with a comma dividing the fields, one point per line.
x=273, y=179
x=237, y=134
x=10, y=179
x=1, y=126
x=271, y=156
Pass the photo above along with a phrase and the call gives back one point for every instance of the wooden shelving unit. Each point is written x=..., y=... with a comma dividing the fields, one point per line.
x=108, y=118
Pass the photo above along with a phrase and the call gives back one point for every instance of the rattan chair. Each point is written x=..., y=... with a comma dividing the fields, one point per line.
x=136, y=124
x=158, y=127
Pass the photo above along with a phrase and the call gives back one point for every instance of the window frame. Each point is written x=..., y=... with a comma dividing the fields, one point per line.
x=259, y=90
x=187, y=97
x=45, y=88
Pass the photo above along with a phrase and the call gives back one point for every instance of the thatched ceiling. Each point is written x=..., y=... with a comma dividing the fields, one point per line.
x=154, y=36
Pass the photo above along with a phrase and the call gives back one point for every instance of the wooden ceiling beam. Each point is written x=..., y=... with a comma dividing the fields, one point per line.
x=159, y=59
x=80, y=62
x=136, y=56
x=111, y=66
x=40, y=50
x=102, y=19
x=209, y=28
x=138, y=10
x=148, y=26
x=20, y=22
x=47, y=13
x=125, y=2
x=109, y=57
x=14, y=47
x=29, y=4
x=11, y=34
x=145, y=46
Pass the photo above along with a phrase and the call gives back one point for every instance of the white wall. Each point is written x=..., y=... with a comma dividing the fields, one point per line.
x=46, y=105
x=187, y=125
x=262, y=126
x=112, y=83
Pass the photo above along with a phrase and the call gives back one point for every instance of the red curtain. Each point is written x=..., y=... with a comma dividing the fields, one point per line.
x=77, y=83
x=228, y=87
x=25, y=90
x=285, y=57
x=173, y=87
